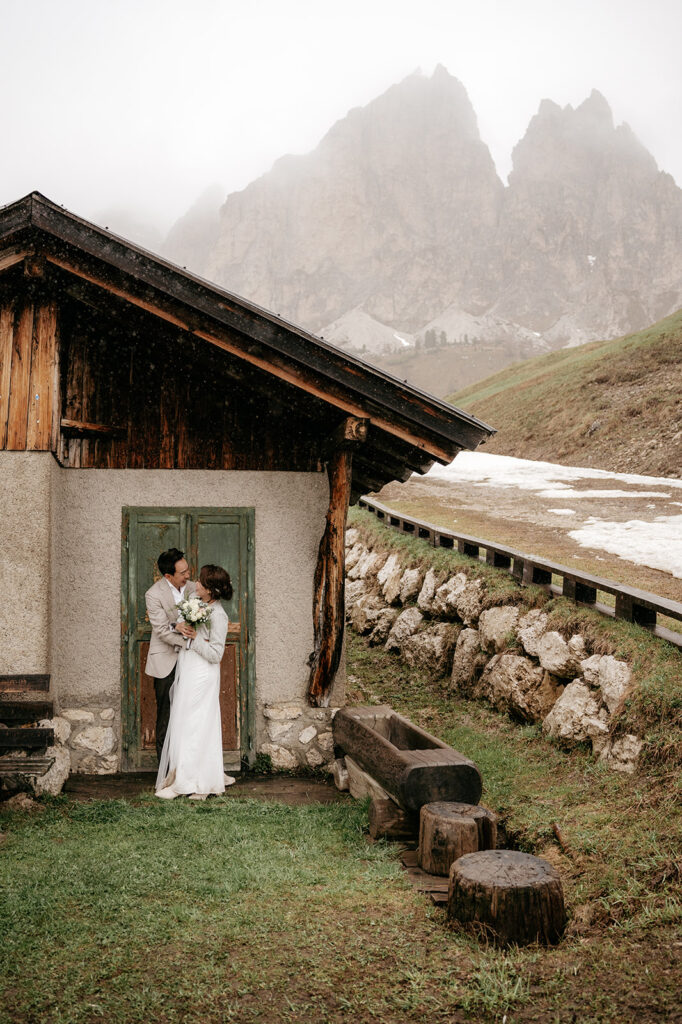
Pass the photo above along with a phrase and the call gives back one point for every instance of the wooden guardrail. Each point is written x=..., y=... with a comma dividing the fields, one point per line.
x=630, y=604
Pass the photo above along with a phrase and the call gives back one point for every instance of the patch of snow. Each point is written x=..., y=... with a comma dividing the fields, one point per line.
x=657, y=545
x=564, y=491
x=504, y=471
x=402, y=340
x=591, y=260
x=562, y=511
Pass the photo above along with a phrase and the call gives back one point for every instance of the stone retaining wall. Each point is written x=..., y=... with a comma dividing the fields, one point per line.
x=443, y=623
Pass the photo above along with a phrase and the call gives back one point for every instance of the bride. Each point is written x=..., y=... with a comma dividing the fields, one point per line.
x=192, y=756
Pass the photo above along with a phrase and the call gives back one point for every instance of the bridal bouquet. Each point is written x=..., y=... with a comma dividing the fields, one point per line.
x=195, y=612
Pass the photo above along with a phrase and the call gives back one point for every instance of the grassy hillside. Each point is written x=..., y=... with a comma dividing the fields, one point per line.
x=613, y=405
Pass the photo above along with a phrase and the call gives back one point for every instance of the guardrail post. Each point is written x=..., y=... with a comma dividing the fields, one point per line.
x=497, y=559
x=579, y=591
x=629, y=609
x=465, y=548
x=533, y=574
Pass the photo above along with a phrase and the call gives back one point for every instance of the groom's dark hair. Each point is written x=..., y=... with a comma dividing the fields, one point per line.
x=167, y=559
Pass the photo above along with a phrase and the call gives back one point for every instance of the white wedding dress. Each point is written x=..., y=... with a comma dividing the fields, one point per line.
x=192, y=755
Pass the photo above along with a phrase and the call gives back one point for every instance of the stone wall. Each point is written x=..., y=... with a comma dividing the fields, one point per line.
x=447, y=624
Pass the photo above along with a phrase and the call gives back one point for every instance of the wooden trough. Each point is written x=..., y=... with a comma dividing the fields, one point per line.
x=412, y=766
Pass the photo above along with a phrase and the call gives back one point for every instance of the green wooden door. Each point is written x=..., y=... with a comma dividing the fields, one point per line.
x=206, y=535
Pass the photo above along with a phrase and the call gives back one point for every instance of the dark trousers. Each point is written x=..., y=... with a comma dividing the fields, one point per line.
x=162, y=691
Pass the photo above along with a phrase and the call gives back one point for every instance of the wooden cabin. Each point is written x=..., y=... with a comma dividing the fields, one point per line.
x=143, y=408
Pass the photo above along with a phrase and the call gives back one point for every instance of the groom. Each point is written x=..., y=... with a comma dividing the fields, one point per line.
x=167, y=633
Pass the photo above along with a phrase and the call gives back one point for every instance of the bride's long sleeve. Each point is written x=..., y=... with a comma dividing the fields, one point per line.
x=212, y=648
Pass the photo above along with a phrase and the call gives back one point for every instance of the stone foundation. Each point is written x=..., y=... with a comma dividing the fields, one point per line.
x=298, y=736
x=89, y=737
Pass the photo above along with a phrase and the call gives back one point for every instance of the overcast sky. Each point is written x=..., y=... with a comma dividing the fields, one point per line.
x=142, y=104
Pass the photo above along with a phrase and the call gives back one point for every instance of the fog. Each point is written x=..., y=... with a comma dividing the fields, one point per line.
x=139, y=105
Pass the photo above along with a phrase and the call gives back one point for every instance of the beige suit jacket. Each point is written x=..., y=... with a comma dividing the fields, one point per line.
x=165, y=643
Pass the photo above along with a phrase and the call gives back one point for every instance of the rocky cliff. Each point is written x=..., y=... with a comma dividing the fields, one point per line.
x=397, y=233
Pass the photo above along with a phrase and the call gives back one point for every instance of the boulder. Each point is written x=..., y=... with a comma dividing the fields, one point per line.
x=389, y=578
x=469, y=602
x=622, y=753
x=431, y=648
x=410, y=585
x=495, y=627
x=590, y=669
x=94, y=765
x=515, y=684
x=614, y=681
x=96, y=739
x=568, y=719
x=444, y=600
x=468, y=662
x=367, y=565
x=282, y=712
x=365, y=612
x=557, y=657
x=52, y=782
x=383, y=626
x=407, y=623
x=354, y=555
x=352, y=537
x=353, y=591
x=279, y=756
x=428, y=591
x=530, y=629
x=60, y=726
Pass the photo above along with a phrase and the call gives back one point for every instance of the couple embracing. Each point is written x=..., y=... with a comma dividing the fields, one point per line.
x=185, y=662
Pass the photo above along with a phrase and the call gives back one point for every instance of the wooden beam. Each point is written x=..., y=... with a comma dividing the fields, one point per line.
x=11, y=257
x=81, y=427
x=328, y=599
x=349, y=435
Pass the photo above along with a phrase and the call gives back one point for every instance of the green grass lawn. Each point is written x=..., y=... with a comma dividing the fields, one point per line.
x=241, y=910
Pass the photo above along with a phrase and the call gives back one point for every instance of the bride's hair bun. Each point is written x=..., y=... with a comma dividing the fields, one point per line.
x=216, y=580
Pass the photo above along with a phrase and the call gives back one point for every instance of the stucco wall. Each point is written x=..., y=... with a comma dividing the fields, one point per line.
x=86, y=573
x=24, y=560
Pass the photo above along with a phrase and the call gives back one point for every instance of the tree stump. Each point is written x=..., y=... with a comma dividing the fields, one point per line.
x=512, y=897
x=450, y=830
x=389, y=821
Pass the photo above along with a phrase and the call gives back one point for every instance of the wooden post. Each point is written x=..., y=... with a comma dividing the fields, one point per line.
x=328, y=601
x=447, y=831
x=511, y=897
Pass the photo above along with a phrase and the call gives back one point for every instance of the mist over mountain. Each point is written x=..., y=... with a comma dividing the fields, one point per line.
x=397, y=238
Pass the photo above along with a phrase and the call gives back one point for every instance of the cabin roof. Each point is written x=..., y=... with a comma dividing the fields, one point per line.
x=426, y=427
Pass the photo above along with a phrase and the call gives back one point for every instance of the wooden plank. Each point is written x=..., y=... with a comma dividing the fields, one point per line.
x=24, y=711
x=17, y=420
x=6, y=344
x=37, y=682
x=32, y=765
x=39, y=418
x=23, y=739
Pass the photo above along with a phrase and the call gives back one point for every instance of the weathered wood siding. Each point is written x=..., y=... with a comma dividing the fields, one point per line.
x=28, y=374
x=110, y=390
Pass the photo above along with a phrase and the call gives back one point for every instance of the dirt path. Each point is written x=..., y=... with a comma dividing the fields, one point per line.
x=539, y=521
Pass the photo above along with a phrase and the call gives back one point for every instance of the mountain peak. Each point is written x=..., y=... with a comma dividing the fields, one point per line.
x=596, y=112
